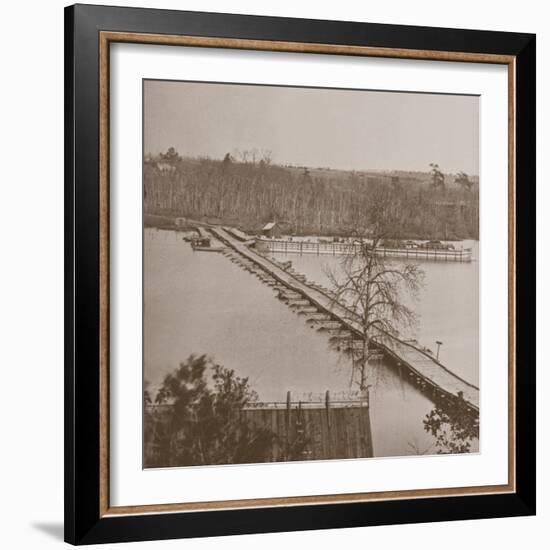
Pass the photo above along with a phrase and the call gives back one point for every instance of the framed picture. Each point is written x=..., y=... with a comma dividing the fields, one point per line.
x=299, y=274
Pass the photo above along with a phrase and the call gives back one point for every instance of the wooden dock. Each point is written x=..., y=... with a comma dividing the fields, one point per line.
x=423, y=369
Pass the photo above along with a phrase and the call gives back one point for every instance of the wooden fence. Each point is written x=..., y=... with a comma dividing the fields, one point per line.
x=317, y=430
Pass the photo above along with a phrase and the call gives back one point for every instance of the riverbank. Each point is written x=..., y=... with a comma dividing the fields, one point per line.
x=158, y=221
x=168, y=220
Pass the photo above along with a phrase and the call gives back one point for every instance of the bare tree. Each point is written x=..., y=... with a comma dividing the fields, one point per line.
x=371, y=287
x=266, y=156
x=464, y=181
x=438, y=179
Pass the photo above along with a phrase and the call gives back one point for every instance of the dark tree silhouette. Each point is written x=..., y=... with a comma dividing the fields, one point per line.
x=438, y=179
x=171, y=156
x=197, y=419
x=464, y=181
x=454, y=425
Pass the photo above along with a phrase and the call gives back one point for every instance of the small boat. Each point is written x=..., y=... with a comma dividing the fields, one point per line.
x=203, y=244
x=209, y=248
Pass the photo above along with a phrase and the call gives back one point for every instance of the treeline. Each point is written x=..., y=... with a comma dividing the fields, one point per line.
x=308, y=201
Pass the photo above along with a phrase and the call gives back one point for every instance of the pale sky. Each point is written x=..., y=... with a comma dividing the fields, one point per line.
x=345, y=129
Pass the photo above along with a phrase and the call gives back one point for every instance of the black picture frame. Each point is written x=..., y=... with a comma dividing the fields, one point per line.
x=84, y=523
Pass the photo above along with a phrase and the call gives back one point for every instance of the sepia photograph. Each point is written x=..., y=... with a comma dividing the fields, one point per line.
x=310, y=274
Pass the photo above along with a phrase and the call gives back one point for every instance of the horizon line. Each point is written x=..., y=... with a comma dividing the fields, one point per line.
x=292, y=165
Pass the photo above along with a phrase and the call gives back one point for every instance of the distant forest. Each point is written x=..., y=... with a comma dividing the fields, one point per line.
x=247, y=190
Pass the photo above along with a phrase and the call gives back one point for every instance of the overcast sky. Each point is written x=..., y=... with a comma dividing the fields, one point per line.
x=346, y=129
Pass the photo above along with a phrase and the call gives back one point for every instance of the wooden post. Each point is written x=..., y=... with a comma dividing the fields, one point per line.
x=287, y=450
x=327, y=404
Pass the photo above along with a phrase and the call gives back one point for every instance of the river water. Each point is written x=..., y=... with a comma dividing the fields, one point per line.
x=201, y=303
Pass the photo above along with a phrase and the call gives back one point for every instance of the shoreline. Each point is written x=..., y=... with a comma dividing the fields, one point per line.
x=168, y=221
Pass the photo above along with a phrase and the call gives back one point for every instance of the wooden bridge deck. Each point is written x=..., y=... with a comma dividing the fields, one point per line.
x=419, y=363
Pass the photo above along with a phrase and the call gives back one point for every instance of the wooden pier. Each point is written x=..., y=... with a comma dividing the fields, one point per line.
x=423, y=369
